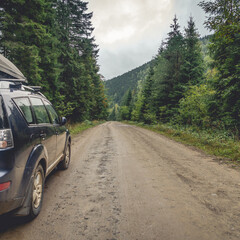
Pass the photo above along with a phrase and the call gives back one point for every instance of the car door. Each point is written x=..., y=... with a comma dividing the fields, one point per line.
x=46, y=129
x=59, y=129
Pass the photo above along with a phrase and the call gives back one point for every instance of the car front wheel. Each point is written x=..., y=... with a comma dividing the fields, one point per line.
x=65, y=162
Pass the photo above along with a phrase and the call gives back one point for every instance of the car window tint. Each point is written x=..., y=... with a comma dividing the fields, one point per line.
x=40, y=111
x=3, y=116
x=53, y=115
x=25, y=106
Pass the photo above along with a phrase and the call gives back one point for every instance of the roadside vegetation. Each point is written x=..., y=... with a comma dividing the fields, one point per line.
x=76, y=128
x=221, y=144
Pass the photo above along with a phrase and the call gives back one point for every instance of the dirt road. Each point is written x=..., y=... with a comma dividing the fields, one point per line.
x=127, y=183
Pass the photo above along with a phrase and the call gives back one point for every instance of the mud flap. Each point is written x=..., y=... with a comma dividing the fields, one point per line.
x=25, y=209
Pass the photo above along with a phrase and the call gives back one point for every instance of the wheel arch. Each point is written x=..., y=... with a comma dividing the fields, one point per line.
x=36, y=157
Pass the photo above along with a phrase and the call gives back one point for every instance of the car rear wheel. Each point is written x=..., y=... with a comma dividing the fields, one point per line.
x=65, y=162
x=37, y=192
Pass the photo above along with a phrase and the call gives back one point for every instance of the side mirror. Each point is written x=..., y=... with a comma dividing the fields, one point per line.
x=63, y=121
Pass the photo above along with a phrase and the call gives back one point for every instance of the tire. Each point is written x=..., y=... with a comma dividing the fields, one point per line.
x=64, y=164
x=36, y=192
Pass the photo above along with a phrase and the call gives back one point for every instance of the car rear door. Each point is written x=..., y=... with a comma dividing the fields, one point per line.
x=59, y=129
x=46, y=129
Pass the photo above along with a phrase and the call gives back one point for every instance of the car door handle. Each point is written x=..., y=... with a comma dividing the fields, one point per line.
x=43, y=135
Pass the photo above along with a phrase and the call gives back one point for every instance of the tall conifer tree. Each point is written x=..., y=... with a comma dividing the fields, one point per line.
x=82, y=86
x=193, y=68
x=224, y=20
x=28, y=39
x=170, y=86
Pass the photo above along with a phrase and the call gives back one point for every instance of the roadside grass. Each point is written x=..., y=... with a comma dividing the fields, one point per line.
x=217, y=143
x=76, y=128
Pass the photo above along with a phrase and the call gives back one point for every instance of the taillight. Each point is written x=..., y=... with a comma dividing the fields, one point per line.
x=6, y=139
x=4, y=186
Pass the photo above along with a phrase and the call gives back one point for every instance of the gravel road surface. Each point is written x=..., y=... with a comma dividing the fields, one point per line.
x=128, y=183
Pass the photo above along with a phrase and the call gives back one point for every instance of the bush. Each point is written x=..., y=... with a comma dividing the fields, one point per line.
x=194, y=107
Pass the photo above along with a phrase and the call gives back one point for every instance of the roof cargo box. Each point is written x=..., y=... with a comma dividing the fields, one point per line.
x=9, y=72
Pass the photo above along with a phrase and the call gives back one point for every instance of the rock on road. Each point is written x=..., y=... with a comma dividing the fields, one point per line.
x=128, y=183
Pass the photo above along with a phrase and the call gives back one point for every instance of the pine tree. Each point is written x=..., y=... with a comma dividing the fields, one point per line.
x=82, y=85
x=224, y=19
x=28, y=39
x=147, y=114
x=193, y=66
x=169, y=86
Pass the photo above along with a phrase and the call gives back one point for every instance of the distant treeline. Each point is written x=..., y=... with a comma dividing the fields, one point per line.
x=118, y=86
x=51, y=42
x=188, y=84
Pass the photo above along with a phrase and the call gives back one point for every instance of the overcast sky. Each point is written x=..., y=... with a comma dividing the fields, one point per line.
x=129, y=32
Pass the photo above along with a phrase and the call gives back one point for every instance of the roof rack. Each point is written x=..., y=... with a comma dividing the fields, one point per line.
x=32, y=88
x=20, y=86
x=35, y=89
x=17, y=83
x=12, y=79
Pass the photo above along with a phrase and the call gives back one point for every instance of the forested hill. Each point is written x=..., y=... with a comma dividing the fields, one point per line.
x=51, y=42
x=118, y=86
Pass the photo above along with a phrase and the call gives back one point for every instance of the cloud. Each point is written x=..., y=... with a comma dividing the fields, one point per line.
x=130, y=32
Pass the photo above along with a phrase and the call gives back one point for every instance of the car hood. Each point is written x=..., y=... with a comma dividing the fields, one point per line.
x=9, y=72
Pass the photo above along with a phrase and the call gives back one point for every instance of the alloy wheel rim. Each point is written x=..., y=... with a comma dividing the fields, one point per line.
x=67, y=157
x=37, y=190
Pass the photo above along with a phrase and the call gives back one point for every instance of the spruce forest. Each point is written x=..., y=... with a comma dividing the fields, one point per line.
x=51, y=42
x=191, y=82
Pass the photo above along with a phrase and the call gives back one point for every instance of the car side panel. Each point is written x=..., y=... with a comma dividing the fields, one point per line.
x=61, y=139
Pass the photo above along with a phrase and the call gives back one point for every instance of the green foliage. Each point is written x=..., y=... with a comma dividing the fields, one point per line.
x=146, y=103
x=78, y=57
x=76, y=128
x=137, y=104
x=27, y=38
x=124, y=113
x=149, y=117
x=114, y=113
x=194, y=107
x=173, y=82
x=221, y=13
x=127, y=98
x=224, y=19
x=118, y=86
x=50, y=42
x=184, y=88
x=220, y=143
x=178, y=65
x=193, y=66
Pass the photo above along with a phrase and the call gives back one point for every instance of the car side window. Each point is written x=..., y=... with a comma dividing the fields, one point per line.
x=25, y=107
x=40, y=111
x=52, y=113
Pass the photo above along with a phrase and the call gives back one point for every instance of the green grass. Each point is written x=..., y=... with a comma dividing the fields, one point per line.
x=218, y=143
x=77, y=128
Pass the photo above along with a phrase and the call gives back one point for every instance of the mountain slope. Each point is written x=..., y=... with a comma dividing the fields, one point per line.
x=118, y=86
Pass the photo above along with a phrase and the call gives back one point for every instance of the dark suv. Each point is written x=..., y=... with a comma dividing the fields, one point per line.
x=33, y=141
